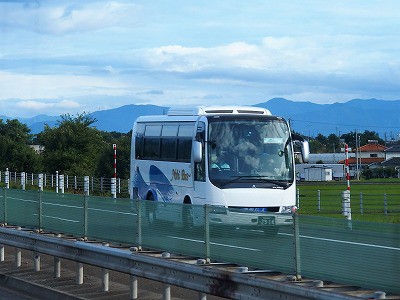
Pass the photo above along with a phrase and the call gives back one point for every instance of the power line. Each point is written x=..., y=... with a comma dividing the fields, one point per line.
x=341, y=124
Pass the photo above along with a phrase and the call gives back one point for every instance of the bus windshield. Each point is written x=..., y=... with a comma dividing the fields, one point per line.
x=249, y=152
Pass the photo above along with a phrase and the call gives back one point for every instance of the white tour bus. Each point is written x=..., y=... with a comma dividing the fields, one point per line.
x=238, y=159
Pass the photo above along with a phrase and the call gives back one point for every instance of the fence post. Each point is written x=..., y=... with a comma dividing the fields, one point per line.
x=385, y=203
x=40, y=210
x=85, y=216
x=114, y=187
x=86, y=185
x=207, y=233
x=40, y=181
x=61, y=183
x=57, y=182
x=298, y=198
x=319, y=199
x=5, y=205
x=361, y=204
x=23, y=180
x=7, y=178
x=139, y=222
x=296, y=241
x=346, y=209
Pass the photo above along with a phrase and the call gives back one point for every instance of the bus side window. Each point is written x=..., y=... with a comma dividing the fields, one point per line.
x=152, y=142
x=168, y=142
x=185, y=133
x=139, y=140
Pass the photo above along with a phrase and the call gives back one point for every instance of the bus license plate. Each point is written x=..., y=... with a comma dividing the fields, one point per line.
x=266, y=220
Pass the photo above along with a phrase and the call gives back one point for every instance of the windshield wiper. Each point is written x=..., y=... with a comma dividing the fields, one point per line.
x=258, y=177
x=280, y=183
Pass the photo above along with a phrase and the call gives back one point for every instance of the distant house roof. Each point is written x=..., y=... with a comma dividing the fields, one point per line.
x=372, y=147
x=391, y=162
x=395, y=148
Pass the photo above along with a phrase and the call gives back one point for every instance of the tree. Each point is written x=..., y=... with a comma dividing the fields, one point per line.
x=319, y=144
x=105, y=164
x=316, y=147
x=15, y=152
x=370, y=135
x=72, y=147
x=333, y=143
x=350, y=138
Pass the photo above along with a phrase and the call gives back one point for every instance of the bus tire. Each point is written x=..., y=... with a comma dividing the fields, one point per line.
x=150, y=210
x=187, y=214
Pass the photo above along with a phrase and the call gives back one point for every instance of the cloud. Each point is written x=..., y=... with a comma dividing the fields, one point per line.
x=152, y=92
x=334, y=67
x=62, y=17
x=188, y=53
x=25, y=86
x=43, y=106
x=318, y=54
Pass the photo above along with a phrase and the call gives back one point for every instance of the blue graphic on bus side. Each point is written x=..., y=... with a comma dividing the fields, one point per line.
x=159, y=185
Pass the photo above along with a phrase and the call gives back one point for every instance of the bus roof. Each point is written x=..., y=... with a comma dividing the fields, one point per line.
x=210, y=110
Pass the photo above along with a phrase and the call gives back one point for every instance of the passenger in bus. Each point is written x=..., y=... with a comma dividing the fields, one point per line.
x=221, y=161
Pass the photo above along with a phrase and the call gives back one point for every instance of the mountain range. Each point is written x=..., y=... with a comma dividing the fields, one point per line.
x=307, y=118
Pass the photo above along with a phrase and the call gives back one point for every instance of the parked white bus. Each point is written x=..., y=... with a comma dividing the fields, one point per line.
x=238, y=159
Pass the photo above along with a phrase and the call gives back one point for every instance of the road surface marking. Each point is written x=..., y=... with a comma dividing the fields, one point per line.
x=61, y=219
x=113, y=211
x=344, y=242
x=217, y=244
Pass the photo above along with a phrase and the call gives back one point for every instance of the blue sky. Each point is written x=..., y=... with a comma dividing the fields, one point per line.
x=61, y=57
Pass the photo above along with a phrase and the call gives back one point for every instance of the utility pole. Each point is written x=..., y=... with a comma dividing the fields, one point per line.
x=357, y=166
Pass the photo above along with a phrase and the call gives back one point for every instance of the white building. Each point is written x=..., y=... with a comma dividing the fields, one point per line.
x=318, y=173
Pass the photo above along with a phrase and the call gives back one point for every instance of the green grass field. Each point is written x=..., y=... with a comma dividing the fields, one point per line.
x=371, y=200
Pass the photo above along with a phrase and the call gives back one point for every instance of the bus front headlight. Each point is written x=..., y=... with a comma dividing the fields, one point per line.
x=289, y=209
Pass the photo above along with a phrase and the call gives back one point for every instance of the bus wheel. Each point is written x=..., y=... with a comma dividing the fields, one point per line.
x=150, y=209
x=187, y=215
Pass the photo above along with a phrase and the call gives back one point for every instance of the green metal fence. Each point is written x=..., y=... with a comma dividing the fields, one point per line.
x=357, y=253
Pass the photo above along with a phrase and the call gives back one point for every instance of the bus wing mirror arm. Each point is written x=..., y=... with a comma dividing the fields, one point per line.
x=197, y=151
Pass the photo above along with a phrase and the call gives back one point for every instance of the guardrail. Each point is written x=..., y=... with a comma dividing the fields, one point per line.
x=217, y=279
x=331, y=250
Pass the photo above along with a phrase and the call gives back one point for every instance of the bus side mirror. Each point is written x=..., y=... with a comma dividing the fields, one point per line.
x=305, y=151
x=304, y=146
x=197, y=151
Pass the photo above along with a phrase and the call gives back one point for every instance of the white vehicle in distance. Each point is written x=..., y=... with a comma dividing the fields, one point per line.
x=240, y=160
